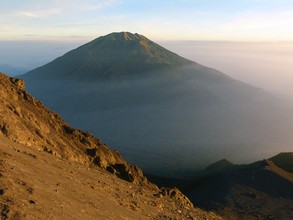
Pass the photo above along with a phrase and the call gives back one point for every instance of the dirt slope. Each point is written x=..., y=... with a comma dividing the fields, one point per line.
x=25, y=120
x=49, y=170
x=38, y=185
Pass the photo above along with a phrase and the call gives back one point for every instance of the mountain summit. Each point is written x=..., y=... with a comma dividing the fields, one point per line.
x=113, y=55
x=151, y=104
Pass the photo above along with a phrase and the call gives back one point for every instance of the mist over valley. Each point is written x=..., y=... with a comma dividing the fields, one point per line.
x=150, y=104
x=151, y=110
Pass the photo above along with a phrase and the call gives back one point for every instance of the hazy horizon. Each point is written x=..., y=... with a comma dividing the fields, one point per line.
x=223, y=35
x=266, y=65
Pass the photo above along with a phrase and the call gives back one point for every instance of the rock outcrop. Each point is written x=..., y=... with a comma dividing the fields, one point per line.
x=25, y=120
x=178, y=196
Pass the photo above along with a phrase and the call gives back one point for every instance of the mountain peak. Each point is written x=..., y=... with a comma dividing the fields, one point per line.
x=126, y=36
x=220, y=165
x=121, y=40
x=118, y=54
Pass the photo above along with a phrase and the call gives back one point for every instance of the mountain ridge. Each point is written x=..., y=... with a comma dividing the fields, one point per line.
x=284, y=160
x=260, y=190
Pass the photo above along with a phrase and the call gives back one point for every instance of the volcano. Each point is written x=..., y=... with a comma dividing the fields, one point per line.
x=163, y=112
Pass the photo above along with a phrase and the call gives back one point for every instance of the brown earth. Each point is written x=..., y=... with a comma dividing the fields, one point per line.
x=49, y=170
x=25, y=120
x=38, y=185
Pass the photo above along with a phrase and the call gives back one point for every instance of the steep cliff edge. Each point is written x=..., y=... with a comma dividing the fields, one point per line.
x=26, y=121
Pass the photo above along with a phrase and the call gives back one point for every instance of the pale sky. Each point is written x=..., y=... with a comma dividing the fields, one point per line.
x=34, y=32
x=228, y=20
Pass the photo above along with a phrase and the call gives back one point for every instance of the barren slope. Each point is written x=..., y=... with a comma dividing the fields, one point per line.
x=49, y=170
x=38, y=185
x=25, y=120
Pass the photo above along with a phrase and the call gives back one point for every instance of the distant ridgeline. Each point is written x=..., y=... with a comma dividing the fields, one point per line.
x=165, y=113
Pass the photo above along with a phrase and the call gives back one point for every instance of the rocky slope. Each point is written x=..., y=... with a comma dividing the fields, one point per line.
x=28, y=122
x=49, y=170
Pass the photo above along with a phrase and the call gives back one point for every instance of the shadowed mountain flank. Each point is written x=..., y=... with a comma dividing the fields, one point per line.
x=260, y=190
x=150, y=103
